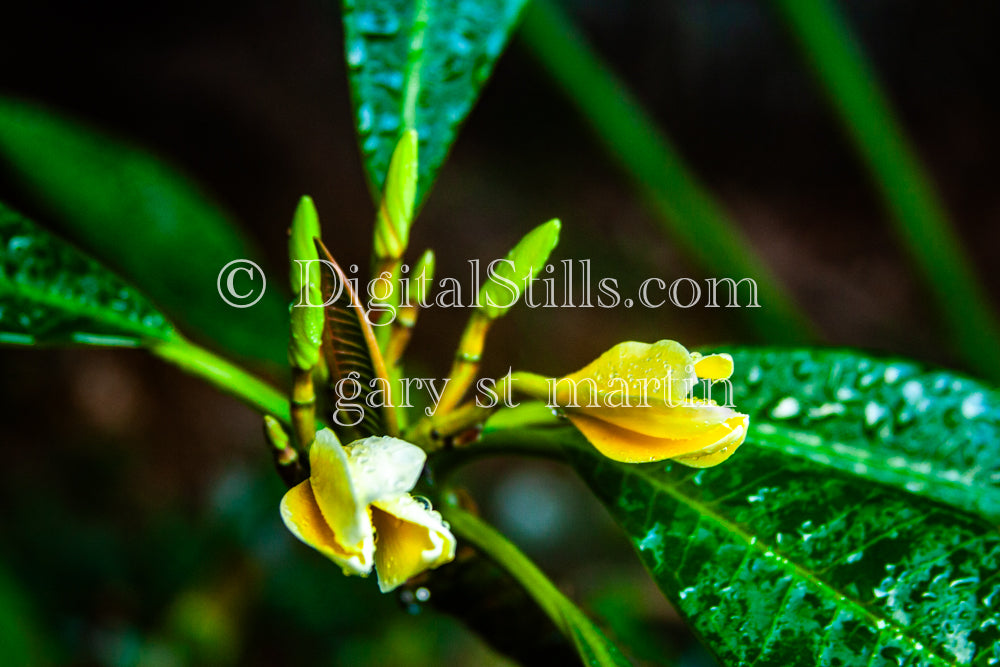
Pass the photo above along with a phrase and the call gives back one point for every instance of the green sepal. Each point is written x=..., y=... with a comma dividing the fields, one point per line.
x=521, y=265
x=395, y=213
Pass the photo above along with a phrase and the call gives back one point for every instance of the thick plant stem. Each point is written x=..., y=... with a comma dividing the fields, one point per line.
x=920, y=219
x=572, y=622
x=685, y=209
x=224, y=375
x=303, y=407
x=488, y=540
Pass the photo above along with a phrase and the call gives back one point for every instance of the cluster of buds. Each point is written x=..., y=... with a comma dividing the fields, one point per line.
x=353, y=503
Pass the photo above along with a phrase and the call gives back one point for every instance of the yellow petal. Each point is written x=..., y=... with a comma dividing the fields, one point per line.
x=344, y=509
x=713, y=367
x=629, y=362
x=383, y=467
x=715, y=454
x=628, y=446
x=303, y=517
x=693, y=418
x=411, y=539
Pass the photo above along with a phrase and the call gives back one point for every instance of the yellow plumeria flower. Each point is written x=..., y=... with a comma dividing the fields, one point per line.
x=356, y=509
x=635, y=405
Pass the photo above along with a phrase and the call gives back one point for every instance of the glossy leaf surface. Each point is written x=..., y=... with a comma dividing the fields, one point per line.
x=776, y=560
x=50, y=293
x=419, y=64
x=932, y=432
x=143, y=219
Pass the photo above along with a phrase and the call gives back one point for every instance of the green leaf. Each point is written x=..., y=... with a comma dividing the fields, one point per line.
x=685, y=207
x=50, y=293
x=778, y=560
x=143, y=219
x=918, y=213
x=419, y=64
x=932, y=432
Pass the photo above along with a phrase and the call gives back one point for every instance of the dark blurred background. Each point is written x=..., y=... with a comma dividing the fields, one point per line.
x=141, y=513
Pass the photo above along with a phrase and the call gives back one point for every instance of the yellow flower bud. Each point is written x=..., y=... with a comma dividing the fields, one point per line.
x=635, y=404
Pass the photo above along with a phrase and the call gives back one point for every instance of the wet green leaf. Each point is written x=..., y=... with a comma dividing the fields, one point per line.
x=143, y=219
x=779, y=560
x=933, y=432
x=50, y=293
x=419, y=64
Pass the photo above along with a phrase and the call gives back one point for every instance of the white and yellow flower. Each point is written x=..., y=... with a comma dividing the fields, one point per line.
x=634, y=404
x=356, y=509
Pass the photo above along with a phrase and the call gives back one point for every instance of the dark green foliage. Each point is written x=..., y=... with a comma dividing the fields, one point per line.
x=145, y=220
x=419, y=65
x=50, y=293
x=776, y=560
x=932, y=432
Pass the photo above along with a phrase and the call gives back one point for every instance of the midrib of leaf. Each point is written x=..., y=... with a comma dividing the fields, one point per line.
x=76, y=308
x=798, y=443
x=414, y=63
x=772, y=554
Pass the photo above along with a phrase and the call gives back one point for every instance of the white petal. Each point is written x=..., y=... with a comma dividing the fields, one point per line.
x=383, y=468
x=343, y=507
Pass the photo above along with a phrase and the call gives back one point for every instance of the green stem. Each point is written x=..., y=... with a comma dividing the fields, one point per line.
x=523, y=415
x=225, y=375
x=920, y=219
x=593, y=647
x=687, y=212
x=466, y=363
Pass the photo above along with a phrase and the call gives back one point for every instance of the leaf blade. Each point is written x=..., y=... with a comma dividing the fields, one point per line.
x=50, y=293
x=723, y=544
x=929, y=431
x=143, y=219
x=419, y=65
